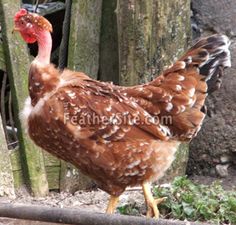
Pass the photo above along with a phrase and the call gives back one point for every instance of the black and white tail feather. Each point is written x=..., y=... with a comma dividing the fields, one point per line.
x=211, y=55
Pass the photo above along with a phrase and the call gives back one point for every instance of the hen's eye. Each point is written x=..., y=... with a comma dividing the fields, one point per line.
x=22, y=22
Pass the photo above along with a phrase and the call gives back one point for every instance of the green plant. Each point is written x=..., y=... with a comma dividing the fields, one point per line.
x=129, y=209
x=186, y=200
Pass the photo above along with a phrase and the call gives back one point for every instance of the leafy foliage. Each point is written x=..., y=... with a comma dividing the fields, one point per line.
x=129, y=209
x=186, y=200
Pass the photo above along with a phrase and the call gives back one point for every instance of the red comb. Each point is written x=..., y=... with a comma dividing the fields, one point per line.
x=20, y=13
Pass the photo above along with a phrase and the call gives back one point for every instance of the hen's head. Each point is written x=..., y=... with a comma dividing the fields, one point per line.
x=30, y=25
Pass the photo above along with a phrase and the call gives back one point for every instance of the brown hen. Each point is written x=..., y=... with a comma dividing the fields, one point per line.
x=119, y=136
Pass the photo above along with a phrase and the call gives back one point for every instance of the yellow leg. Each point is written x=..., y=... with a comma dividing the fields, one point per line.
x=151, y=202
x=112, y=204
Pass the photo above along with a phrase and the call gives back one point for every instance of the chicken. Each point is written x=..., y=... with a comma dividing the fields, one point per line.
x=119, y=136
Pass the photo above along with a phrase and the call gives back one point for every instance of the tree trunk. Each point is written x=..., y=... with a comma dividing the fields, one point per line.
x=17, y=63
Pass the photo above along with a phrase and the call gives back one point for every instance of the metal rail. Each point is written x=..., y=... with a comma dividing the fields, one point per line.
x=77, y=216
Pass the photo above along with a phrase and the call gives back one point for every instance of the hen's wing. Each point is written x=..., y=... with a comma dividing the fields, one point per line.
x=177, y=96
x=99, y=110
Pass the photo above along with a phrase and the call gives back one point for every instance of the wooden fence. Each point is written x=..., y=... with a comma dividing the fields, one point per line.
x=128, y=42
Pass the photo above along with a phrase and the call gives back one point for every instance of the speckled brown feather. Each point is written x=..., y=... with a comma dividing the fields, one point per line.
x=133, y=145
x=33, y=18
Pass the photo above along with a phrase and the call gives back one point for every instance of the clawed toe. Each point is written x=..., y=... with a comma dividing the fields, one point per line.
x=152, y=209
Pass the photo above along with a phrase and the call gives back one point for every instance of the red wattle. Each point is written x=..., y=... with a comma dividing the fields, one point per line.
x=28, y=38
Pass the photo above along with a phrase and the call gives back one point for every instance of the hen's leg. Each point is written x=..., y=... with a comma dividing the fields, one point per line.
x=112, y=204
x=151, y=202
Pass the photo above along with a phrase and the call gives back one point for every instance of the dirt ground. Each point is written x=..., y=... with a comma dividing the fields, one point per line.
x=228, y=183
x=96, y=200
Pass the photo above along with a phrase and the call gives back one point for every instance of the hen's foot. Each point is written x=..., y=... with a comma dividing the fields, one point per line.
x=151, y=202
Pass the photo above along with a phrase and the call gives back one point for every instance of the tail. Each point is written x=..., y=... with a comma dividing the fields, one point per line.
x=211, y=55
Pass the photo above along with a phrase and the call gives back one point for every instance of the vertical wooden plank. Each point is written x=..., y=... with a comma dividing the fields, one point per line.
x=16, y=168
x=85, y=36
x=109, y=55
x=2, y=58
x=17, y=62
x=134, y=34
x=151, y=35
x=83, y=55
x=172, y=30
x=6, y=175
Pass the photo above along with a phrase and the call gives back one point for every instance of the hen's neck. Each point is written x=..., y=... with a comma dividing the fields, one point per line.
x=43, y=76
x=44, y=40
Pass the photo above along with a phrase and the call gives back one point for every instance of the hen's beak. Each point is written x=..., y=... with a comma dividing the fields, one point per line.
x=15, y=29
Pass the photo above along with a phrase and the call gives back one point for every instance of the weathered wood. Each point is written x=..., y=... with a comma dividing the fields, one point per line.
x=53, y=175
x=52, y=166
x=17, y=61
x=50, y=160
x=6, y=176
x=16, y=168
x=134, y=36
x=151, y=35
x=63, y=49
x=53, y=169
x=109, y=56
x=172, y=30
x=15, y=159
x=83, y=56
x=2, y=58
x=79, y=217
x=84, y=36
x=18, y=179
x=147, y=41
